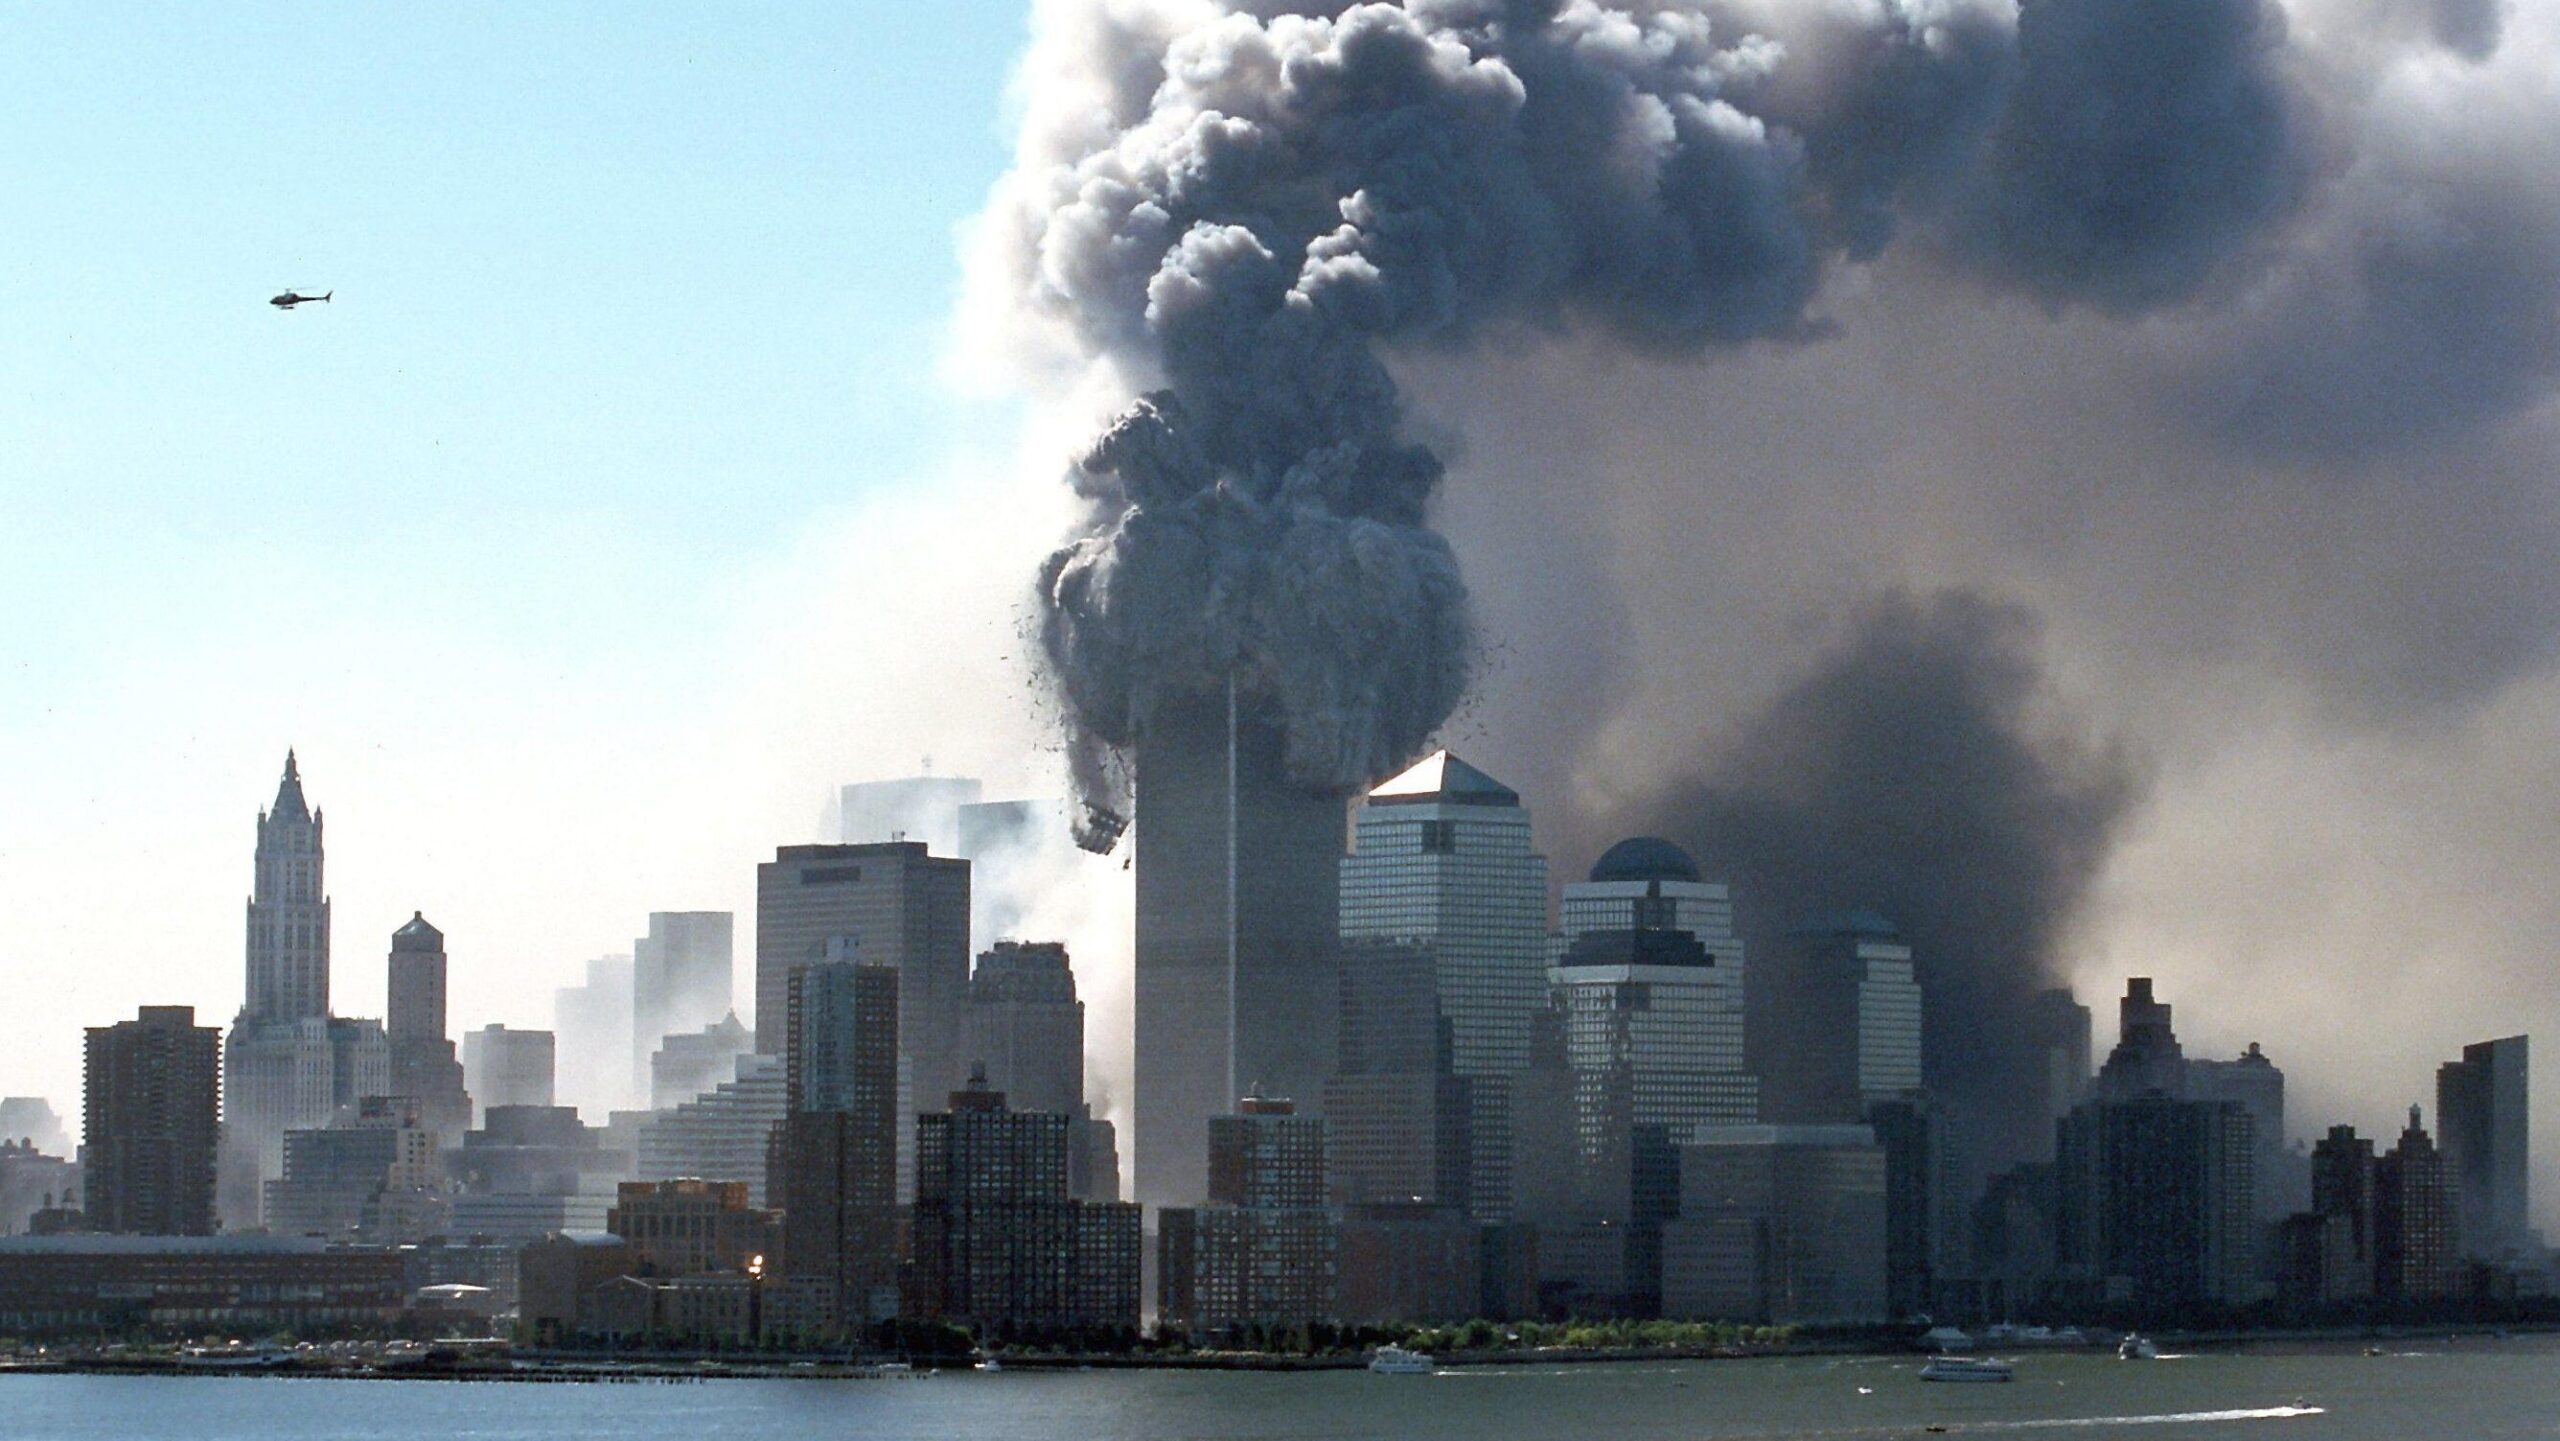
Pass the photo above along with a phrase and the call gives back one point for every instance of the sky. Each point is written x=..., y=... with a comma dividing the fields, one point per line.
x=638, y=332
x=672, y=451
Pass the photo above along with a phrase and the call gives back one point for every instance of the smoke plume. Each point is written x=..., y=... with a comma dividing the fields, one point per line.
x=1255, y=209
x=1924, y=770
x=2220, y=338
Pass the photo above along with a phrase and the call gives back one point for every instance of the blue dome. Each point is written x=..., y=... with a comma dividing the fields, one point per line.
x=1645, y=858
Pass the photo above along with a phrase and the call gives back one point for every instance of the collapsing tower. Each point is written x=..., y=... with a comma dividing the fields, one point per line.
x=1237, y=873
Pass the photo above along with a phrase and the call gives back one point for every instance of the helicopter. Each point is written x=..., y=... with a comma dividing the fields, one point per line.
x=292, y=298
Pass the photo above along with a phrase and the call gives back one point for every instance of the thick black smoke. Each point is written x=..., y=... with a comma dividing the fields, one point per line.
x=1248, y=211
x=1923, y=770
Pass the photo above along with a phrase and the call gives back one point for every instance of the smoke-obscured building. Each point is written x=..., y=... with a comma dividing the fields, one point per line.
x=922, y=809
x=594, y=1024
x=1399, y=1120
x=152, y=1118
x=724, y=1134
x=681, y=980
x=686, y=1065
x=1781, y=1225
x=2156, y=1201
x=507, y=1066
x=34, y=1184
x=1236, y=872
x=530, y=1170
x=2481, y=1106
x=377, y=1177
x=1843, y=1020
x=692, y=1228
x=896, y=905
x=420, y=1052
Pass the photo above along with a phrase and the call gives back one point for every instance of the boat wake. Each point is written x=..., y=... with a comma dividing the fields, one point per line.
x=2166, y=1418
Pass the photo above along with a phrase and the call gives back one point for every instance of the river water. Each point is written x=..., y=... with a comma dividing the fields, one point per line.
x=2469, y=1390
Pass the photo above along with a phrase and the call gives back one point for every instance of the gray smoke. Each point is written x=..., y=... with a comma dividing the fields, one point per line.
x=1254, y=209
x=1923, y=769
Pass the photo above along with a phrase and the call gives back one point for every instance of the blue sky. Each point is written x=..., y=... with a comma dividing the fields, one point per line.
x=638, y=323
x=659, y=280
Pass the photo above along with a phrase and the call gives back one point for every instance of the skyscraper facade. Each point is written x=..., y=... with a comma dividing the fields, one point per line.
x=2156, y=1199
x=595, y=1027
x=1265, y=1250
x=2481, y=1109
x=897, y=906
x=151, y=1112
x=999, y=1244
x=2417, y=1219
x=1025, y=1026
x=680, y=979
x=508, y=1066
x=1237, y=876
x=423, y=1065
x=1845, y=1020
x=835, y=1162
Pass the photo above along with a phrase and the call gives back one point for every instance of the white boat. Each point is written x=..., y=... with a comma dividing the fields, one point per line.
x=989, y=1363
x=1397, y=1361
x=1944, y=1340
x=1968, y=1368
x=2136, y=1348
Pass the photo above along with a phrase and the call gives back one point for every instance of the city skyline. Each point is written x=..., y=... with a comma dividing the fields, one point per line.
x=750, y=552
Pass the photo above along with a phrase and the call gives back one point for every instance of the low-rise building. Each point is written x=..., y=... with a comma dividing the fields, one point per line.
x=58, y=1285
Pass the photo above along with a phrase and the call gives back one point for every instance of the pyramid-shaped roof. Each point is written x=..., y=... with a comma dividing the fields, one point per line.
x=418, y=934
x=1442, y=777
x=289, y=802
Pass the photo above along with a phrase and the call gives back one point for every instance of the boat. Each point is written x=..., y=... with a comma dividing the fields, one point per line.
x=1943, y=1340
x=1968, y=1368
x=2136, y=1348
x=989, y=1363
x=1397, y=1361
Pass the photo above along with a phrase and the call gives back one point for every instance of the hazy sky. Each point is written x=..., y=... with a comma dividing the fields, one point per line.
x=637, y=311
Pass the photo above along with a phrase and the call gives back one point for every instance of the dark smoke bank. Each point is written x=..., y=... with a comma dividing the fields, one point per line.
x=1920, y=770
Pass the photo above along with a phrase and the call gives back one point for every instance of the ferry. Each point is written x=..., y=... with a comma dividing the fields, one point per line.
x=1397, y=1361
x=1968, y=1368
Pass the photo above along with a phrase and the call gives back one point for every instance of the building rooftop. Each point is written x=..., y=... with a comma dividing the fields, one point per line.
x=1441, y=776
x=418, y=935
x=1645, y=858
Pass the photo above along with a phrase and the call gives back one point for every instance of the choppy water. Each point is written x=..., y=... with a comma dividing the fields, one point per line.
x=2474, y=1390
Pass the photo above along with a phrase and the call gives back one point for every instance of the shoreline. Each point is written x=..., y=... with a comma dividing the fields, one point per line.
x=617, y=1368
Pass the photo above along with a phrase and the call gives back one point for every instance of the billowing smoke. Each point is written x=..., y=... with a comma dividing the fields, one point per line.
x=1924, y=770
x=1245, y=212
x=2222, y=338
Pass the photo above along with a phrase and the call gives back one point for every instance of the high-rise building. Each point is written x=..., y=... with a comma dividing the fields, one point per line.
x=2481, y=1108
x=1399, y=1120
x=2417, y=1226
x=423, y=1065
x=151, y=1118
x=532, y=1170
x=1237, y=878
x=31, y=1119
x=2058, y=1026
x=1265, y=1249
x=1844, y=1020
x=680, y=979
x=1778, y=1225
x=595, y=1026
x=2284, y=1175
x=687, y=1065
x=1921, y=1237
x=2156, y=1199
x=999, y=1244
x=2147, y=1056
x=1025, y=1026
x=724, y=1134
x=504, y=1066
x=377, y=1178
x=1441, y=861
x=2342, y=1198
x=835, y=1163
x=278, y=1069
x=897, y=906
